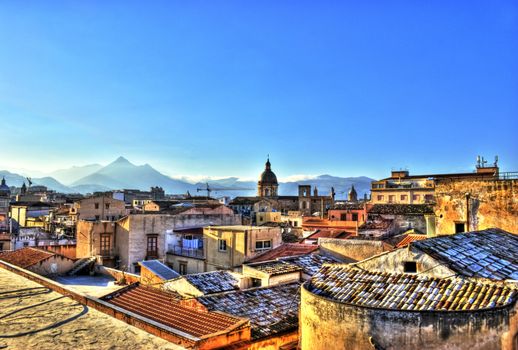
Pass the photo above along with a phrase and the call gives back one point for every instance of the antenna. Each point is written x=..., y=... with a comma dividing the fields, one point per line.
x=29, y=180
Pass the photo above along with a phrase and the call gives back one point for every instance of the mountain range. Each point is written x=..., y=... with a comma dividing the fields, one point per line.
x=122, y=174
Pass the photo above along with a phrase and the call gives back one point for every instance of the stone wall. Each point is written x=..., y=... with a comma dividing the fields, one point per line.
x=351, y=249
x=492, y=203
x=328, y=325
x=394, y=262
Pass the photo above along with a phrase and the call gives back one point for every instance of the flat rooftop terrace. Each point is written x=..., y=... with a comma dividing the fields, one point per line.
x=94, y=286
x=35, y=317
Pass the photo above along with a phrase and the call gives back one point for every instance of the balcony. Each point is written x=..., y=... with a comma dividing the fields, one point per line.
x=188, y=252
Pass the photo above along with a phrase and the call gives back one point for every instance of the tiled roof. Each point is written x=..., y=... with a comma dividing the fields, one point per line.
x=271, y=310
x=275, y=267
x=286, y=249
x=159, y=269
x=329, y=234
x=401, y=209
x=491, y=253
x=25, y=257
x=310, y=263
x=162, y=307
x=409, y=238
x=348, y=206
x=245, y=200
x=213, y=282
x=408, y=291
x=376, y=225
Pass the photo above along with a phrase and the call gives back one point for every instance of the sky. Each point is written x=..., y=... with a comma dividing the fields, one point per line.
x=347, y=88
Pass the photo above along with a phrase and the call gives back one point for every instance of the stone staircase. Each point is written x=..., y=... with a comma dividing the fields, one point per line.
x=81, y=264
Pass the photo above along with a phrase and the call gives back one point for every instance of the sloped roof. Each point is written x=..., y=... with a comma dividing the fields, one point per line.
x=161, y=270
x=286, y=249
x=491, y=253
x=408, y=291
x=161, y=307
x=213, y=282
x=275, y=267
x=401, y=209
x=310, y=263
x=271, y=310
x=336, y=233
x=26, y=257
x=409, y=238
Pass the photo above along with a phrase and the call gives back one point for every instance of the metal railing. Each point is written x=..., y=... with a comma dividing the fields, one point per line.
x=188, y=252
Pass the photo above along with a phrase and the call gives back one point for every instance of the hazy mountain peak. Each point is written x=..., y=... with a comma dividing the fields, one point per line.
x=121, y=160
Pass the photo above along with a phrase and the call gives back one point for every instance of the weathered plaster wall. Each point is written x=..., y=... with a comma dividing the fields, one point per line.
x=327, y=325
x=394, y=262
x=194, y=265
x=492, y=203
x=56, y=265
x=354, y=249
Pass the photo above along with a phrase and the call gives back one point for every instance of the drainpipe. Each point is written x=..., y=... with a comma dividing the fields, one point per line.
x=467, y=211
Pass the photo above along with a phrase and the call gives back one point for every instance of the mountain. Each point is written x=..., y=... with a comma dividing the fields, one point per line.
x=52, y=184
x=17, y=180
x=122, y=174
x=324, y=183
x=362, y=184
x=68, y=176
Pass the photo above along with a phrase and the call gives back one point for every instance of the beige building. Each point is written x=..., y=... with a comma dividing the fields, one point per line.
x=97, y=208
x=96, y=238
x=227, y=247
x=263, y=217
x=403, y=188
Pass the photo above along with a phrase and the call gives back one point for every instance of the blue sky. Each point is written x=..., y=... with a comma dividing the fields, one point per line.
x=210, y=87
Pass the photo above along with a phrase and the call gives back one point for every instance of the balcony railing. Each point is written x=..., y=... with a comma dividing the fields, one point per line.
x=188, y=252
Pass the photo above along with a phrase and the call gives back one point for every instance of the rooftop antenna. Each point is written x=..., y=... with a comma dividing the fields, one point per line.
x=496, y=161
x=29, y=180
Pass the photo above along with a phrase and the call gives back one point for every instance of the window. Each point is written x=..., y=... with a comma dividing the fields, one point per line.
x=136, y=268
x=183, y=267
x=460, y=227
x=391, y=198
x=107, y=205
x=96, y=205
x=404, y=197
x=97, y=217
x=410, y=267
x=428, y=197
x=105, y=245
x=416, y=197
x=380, y=197
x=263, y=245
x=222, y=245
x=355, y=217
x=343, y=217
x=25, y=244
x=1, y=246
x=152, y=246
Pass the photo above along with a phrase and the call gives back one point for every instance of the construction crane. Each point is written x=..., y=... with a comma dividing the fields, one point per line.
x=210, y=189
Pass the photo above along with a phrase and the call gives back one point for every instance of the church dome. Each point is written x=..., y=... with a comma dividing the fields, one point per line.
x=4, y=189
x=268, y=176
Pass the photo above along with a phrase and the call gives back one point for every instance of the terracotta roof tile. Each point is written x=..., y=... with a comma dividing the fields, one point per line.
x=163, y=307
x=491, y=253
x=286, y=249
x=275, y=267
x=25, y=257
x=401, y=209
x=271, y=310
x=409, y=238
x=330, y=234
x=408, y=291
x=310, y=263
